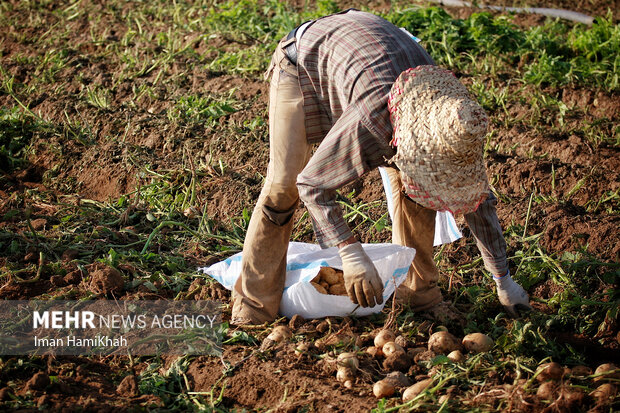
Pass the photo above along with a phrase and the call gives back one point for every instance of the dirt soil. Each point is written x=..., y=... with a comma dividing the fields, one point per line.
x=563, y=167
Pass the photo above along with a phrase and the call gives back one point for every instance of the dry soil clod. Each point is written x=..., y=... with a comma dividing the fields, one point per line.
x=38, y=382
x=128, y=386
x=397, y=362
x=105, y=280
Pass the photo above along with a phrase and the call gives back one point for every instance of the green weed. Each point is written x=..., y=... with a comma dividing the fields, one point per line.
x=194, y=109
x=16, y=132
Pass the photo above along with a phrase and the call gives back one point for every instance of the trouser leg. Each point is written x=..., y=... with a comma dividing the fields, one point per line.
x=258, y=291
x=414, y=226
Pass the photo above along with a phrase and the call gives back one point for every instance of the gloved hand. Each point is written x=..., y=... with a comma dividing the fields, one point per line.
x=360, y=276
x=511, y=295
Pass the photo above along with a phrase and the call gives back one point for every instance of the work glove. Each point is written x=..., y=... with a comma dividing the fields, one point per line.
x=511, y=295
x=361, y=279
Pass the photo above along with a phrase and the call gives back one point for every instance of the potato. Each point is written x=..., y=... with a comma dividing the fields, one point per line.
x=391, y=347
x=348, y=360
x=456, y=356
x=571, y=398
x=374, y=351
x=284, y=330
x=478, y=343
x=411, y=392
x=383, y=388
x=402, y=341
x=604, y=393
x=337, y=289
x=330, y=275
x=549, y=371
x=442, y=342
x=547, y=391
x=348, y=384
x=345, y=374
x=383, y=337
x=324, y=284
x=302, y=348
x=319, y=287
x=607, y=371
x=443, y=398
x=412, y=352
x=580, y=371
x=275, y=336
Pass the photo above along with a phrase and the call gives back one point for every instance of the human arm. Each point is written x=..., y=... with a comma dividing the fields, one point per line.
x=487, y=231
x=347, y=152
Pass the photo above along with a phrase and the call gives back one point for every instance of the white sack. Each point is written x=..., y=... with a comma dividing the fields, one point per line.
x=446, y=230
x=303, y=264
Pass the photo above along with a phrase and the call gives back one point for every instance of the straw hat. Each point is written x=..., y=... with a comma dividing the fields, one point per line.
x=439, y=134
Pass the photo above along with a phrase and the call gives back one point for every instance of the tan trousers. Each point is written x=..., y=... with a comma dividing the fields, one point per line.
x=258, y=291
x=414, y=226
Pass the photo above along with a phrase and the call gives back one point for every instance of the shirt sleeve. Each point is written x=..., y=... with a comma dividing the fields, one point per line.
x=347, y=152
x=487, y=231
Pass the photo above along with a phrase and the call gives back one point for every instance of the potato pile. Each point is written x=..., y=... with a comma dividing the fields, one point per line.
x=329, y=281
x=555, y=384
x=388, y=364
x=398, y=358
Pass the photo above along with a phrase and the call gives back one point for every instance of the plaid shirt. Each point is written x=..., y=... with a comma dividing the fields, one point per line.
x=347, y=64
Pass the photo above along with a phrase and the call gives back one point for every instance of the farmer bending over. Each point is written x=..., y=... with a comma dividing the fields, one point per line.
x=369, y=96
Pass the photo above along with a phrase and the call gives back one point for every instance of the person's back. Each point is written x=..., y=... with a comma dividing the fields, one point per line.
x=353, y=58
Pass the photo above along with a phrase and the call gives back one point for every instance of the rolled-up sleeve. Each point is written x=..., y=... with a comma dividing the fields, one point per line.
x=487, y=231
x=347, y=152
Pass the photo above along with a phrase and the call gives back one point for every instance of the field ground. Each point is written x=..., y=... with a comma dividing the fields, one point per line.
x=133, y=138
